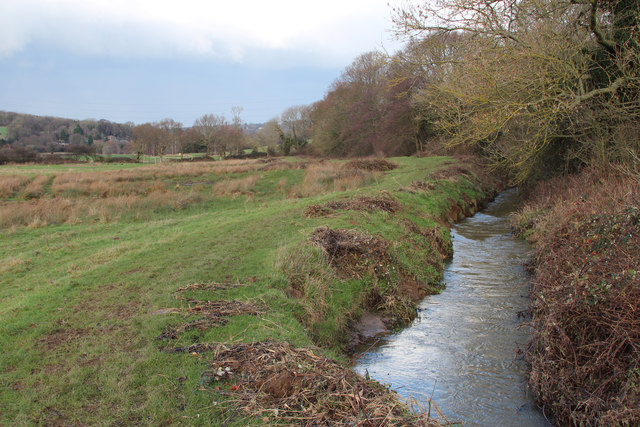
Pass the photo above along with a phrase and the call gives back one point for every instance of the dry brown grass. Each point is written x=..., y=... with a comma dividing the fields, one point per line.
x=9, y=184
x=35, y=213
x=60, y=210
x=231, y=187
x=13, y=263
x=350, y=181
x=35, y=189
x=284, y=165
x=309, y=277
x=106, y=184
x=106, y=196
x=321, y=178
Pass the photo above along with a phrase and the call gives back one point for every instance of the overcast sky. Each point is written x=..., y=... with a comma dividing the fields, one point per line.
x=145, y=60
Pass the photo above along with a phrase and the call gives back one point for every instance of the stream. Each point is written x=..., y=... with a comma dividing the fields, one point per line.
x=461, y=351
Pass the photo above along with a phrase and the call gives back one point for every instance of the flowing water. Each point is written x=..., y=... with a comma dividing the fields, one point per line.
x=461, y=351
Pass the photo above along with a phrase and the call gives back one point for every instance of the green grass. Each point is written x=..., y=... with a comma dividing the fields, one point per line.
x=79, y=303
x=3, y=132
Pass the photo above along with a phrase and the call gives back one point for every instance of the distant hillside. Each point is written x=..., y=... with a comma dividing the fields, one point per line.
x=45, y=133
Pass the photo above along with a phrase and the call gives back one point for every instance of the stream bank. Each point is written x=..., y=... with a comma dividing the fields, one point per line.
x=461, y=351
x=586, y=297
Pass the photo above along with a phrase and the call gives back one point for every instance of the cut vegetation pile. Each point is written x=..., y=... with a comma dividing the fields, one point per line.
x=352, y=252
x=369, y=204
x=275, y=382
x=380, y=165
x=585, y=354
x=211, y=314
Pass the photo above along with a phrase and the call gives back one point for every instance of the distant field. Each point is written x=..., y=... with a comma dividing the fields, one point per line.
x=3, y=132
x=93, y=257
x=35, y=169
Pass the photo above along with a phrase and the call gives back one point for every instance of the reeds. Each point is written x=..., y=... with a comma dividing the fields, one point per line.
x=11, y=183
x=61, y=210
x=231, y=187
x=322, y=177
x=36, y=188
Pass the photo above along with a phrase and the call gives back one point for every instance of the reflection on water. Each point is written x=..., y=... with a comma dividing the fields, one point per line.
x=462, y=347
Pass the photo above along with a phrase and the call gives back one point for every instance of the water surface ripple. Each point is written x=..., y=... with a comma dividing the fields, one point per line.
x=462, y=348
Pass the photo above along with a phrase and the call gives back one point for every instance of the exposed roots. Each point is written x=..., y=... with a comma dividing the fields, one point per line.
x=295, y=386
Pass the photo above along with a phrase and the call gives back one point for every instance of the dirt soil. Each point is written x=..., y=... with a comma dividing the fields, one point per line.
x=371, y=325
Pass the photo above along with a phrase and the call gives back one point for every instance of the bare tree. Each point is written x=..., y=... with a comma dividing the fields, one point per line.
x=268, y=135
x=210, y=128
x=296, y=124
x=235, y=135
x=236, y=111
x=145, y=140
x=169, y=136
x=534, y=84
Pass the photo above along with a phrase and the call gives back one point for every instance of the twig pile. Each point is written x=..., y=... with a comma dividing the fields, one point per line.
x=209, y=286
x=295, y=386
x=212, y=314
x=371, y=165
x=421, y=186
x=368, y=204
x=354, y=253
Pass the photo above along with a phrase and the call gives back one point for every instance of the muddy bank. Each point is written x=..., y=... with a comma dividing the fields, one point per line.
x=396, y=307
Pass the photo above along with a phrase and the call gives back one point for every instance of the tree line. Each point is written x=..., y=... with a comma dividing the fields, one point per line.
x=23, y=136
x=536, y=86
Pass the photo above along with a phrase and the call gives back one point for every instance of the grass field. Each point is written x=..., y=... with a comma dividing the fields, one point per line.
x=3, y=132
x=93, y=257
